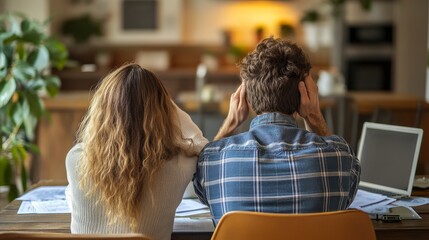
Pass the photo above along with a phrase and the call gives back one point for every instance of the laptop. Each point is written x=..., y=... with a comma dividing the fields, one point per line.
x=388, y=155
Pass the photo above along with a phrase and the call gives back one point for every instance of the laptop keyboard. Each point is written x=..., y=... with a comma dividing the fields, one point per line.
x=378, y=191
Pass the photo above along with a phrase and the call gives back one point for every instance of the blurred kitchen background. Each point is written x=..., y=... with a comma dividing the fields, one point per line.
x=364, y=53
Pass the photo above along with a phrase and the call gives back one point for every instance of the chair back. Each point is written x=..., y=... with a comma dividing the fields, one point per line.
x=51, y=236
x=347, y=224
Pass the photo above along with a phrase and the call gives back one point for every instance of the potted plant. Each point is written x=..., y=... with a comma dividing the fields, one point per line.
x=310, y=24
x=336, y=4
x=82, y=28
x=26, y=55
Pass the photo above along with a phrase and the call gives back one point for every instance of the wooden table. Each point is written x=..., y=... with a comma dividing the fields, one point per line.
x=406, y=229
x=11, y=221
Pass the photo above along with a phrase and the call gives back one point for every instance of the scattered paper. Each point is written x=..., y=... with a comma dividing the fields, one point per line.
x=411, y=202
x=377, y=205
x=45, y=193
x=44, y=207
x=47, y=199
x=51, y=206
x=26, y=208
x=51, y=199
x=365, y=199
x=190, y=205
x=197, y=213
x=192, y=208
x=381, y=207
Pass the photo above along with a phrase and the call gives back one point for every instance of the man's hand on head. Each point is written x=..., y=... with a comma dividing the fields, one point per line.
x=238, y=108
x=309, y=108
x=237, y=114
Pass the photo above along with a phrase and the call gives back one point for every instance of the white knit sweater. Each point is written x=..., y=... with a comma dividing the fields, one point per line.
x=168, y=187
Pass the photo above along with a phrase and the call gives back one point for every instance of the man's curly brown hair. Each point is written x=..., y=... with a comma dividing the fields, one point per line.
x=271, y=74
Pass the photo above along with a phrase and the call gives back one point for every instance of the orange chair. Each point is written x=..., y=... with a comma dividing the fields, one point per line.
x=347, y=224
x=58, y=236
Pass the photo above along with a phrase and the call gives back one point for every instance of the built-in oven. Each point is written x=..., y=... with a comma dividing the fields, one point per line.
x=369, y=57
x=370, y=34
x=369, y=74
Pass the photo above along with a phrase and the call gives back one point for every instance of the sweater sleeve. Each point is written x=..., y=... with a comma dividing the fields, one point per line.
x=191, y=131
x=72, y=159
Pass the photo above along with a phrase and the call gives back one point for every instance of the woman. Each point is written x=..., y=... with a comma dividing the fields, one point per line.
x=136, y=154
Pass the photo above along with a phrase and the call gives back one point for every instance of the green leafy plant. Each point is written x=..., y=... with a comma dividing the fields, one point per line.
x=26, y=55
x=310, y=16
x=82, y=28
x=313, y=15
x=364, y=4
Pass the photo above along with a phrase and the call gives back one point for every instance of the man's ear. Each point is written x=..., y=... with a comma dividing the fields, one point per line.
x=247, y=100
x=248, y=104
x=295, y=115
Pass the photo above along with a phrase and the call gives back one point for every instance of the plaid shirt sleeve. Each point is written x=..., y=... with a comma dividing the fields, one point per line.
x=198, y=187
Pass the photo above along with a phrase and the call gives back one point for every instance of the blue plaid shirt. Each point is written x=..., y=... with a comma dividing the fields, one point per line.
x=277, y=167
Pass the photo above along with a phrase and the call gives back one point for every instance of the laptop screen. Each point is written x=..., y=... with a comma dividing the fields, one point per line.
x=388, y=156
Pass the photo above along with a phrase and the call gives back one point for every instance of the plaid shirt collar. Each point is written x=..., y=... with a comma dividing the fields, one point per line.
x=273, y=118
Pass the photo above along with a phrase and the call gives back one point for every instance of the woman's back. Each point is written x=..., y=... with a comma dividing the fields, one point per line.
x=156, y=219
x=137, y=152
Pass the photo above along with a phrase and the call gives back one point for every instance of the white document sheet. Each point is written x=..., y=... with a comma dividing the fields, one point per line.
x=45, y=193
x=46, y=199
x=44, y=207
x=192, y=208
x=190, y=205
x=365, y=199
x=26, y=208
x=411, y=202
x=203, y=213
x=377, y=205
x=51, y=206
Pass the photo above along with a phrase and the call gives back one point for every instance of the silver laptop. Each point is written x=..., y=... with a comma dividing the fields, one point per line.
x=388, y=155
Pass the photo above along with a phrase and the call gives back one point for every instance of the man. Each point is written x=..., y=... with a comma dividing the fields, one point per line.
x=276, y=166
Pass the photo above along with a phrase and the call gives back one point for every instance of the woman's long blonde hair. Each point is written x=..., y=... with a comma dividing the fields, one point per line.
x=130, y=129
